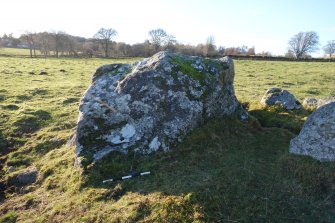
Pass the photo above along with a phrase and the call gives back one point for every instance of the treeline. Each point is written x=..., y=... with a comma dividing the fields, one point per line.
x=102, y=44
x=61, y=44
x=282, y=58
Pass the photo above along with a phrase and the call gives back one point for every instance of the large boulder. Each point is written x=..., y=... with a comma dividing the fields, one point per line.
x=152, y=105
x=278, y=96
x=317, y=137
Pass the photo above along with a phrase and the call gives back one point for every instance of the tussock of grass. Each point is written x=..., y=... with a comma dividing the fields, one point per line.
x=10, y=217
x=225, y=171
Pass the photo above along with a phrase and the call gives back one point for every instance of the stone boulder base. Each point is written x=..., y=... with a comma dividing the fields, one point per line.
x=277, y=96
x=317, y=137
x=152, y=105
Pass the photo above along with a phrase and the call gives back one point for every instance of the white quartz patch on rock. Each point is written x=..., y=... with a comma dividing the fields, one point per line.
x=128, y=131
x=154, y=144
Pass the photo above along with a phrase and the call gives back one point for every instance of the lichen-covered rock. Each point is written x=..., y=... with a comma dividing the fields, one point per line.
x=313, y=103
x=277, y=96
x=310, y=103
x=317, y=137
x=324, y=101
x=152, y=105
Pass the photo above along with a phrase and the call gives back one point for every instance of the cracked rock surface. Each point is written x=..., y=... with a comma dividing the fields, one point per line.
x=153, y=104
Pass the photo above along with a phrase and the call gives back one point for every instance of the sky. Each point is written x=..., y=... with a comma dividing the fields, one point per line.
x=266, y=25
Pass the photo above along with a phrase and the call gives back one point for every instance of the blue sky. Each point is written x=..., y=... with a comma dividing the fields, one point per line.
x=265, y=24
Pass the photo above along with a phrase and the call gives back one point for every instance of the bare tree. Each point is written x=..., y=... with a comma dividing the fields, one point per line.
x=30, y=39
x=170, y=42
x=251, y=51
x=44, y=42
x=210, y=48
x=264, y=54
x=158, y=38
x=105, y=36
x=221, y=50
x=10, y=41
x=303, y=43
x=329, y=48
x=60, y=39
x=243, y=50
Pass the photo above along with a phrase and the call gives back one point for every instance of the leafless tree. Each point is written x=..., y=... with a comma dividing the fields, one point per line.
x=10, y=41
x=264, y=54
x=303, y=43
x=158, y=38
x=105, y=36
x=251, y=51
x=170, y=42
x=44, y=42
x=243, y=50
x=122, y=49
x=30, y=39
x=210, y=48
x=329, y=48
x=59, y=39
x=221, y=50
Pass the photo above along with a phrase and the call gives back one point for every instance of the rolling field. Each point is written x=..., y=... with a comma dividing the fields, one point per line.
x=227, y=171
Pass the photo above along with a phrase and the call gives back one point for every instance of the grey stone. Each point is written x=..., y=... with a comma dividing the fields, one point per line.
x=26, y=178
x=310, y=103
x=313, y=103
x=153, y=104
x=277, y=96
x=317, y=137
x=324, y=101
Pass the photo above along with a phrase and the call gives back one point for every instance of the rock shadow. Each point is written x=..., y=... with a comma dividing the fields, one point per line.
x=30, y=122
x=228, y=168
x=225, y=167
x=276, y=116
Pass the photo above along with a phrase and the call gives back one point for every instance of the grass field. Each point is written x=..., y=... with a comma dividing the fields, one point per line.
x=227, y=171
x=16, y=52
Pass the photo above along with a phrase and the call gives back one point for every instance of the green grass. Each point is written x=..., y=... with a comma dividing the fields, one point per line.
x=10, y=217
x=17, y=52
x=303, y=79
x=185, y=67
x=226, y=171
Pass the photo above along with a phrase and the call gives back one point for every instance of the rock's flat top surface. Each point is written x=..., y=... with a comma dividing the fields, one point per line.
x=153, y=104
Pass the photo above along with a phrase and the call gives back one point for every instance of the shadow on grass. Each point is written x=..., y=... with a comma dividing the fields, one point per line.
x=30, y=122
x=3, y=144
x=3, y=151
x=276, y=116
x=226, y=170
